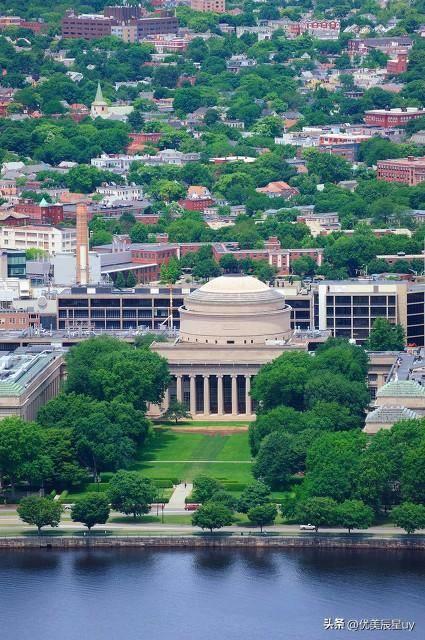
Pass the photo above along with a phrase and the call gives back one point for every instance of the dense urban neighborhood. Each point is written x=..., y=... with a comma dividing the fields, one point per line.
x=212, y=267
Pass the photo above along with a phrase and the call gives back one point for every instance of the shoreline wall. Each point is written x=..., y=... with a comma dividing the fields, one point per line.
x=356, y=541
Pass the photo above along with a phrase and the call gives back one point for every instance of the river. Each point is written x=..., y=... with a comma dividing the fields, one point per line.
x=206, y=594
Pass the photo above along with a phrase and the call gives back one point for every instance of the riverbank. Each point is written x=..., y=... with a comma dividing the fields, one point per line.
x=319, y=541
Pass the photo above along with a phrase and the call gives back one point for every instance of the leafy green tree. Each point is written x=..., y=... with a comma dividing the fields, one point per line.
x=21, y=446
x=131, y=494
x=41, y=512
x=262, y=515
x=409, y=516
x=212, y=516
x=278, y=419
x=413, y=473
x=354, y=514
x=282, y=381
x=334, y=387
x=318, y=511
x=224, y=498
x=229, y=263
x=177, y=411
x=277, y=460
x=304, y=266
x=91, y=509
x=204, y=488
x=108, y=369
x=386, y=336
x=131, y=280
x=120, y=281
x=333, y=464
x=170, y=272
x=327, y=167
x=254, y=494
x=139, y=232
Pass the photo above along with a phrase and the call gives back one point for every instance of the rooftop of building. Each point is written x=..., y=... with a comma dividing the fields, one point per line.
x=417, y=160
x=390, y=415
x=396, y=111
x=401, y=389
x=20, y=368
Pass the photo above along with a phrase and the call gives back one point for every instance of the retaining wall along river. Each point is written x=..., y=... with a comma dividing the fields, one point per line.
x=356, y=541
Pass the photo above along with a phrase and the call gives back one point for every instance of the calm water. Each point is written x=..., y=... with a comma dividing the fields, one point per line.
x=205, y=594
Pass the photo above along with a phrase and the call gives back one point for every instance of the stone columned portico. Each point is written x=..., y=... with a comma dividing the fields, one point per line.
x=229, y=328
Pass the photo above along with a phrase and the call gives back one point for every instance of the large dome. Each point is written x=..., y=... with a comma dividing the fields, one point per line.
x=234, y=309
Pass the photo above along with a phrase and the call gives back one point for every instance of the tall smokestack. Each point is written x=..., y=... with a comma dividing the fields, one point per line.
x=82, y=273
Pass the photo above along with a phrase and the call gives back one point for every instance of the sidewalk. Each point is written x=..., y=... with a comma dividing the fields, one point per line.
x=177, y=500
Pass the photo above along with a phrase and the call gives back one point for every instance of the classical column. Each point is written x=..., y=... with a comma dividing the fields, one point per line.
x=248, y=405
x=206, y=395
x=179, y=389
x=220, y=407
x=193, y=395
x=166, y=401
x=234, y=395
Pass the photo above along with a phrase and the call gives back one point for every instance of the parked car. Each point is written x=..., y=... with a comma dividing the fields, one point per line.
x=307, y=527
x=191, y=506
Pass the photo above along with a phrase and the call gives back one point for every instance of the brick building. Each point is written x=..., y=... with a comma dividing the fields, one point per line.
x=397, y=65
x=88, y=26
x=410, y=170
x=44, y=212
x=197, y=198
x=18, y=320
x=393, y=117
x=215, y=6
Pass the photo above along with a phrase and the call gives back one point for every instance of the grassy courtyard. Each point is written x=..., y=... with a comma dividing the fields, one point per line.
x=180, y=454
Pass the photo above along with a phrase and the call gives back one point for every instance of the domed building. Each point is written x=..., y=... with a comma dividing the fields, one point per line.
x=234, y=309
x=229, y=328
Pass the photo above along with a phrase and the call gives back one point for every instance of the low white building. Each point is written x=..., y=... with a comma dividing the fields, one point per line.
x=125, y=193
x=50, y=239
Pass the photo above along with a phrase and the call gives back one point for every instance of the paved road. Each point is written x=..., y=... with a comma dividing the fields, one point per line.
x=178, y=498
x=9, y=523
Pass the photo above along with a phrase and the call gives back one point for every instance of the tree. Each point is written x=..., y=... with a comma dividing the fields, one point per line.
x=41, y=512
x=278, y=419
x=333, y=387
x=262, y=515
x=21, y=445
x=304, y=266
x=120, y=281
x=333, y=464
x=131, y=280
x=204, y=488
x=282, y=381
x=327, y=167
x=177, y=411
x=354, y=514
x=108, y=369
x=276, y=460
x=229, y=263
x=409, y=516
x=386, y=336
x=212, y=516
x=170, y=272
x=91, y=509
x=255, y=494
x=317, y=511
x=129, y=493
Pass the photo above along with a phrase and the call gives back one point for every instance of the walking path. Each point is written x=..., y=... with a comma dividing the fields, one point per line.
x=178, y=499
x=203, y=461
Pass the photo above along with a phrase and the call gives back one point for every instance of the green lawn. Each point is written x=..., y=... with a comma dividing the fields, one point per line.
x=203, y=423
x=182, y=456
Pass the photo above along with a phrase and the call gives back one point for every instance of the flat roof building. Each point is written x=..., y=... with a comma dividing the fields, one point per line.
x=29, y=377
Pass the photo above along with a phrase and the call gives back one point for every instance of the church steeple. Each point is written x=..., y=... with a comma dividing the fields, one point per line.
x=99, y=106
x=99, y=99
